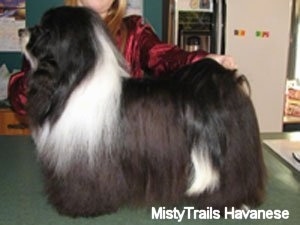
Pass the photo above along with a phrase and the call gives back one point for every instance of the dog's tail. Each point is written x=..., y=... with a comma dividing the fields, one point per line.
x=228, y=167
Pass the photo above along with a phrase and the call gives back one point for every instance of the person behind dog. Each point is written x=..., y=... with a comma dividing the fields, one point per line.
x=142, y=49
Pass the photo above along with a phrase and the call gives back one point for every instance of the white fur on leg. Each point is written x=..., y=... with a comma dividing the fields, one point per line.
x=204, y=176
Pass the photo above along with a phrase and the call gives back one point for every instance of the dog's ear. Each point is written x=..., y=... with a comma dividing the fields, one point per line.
x=41, y=88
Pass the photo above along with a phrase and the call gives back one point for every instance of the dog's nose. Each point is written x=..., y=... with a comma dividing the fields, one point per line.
x=21, y=32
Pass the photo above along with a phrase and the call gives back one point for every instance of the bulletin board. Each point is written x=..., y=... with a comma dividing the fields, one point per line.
x=12, y=18
x=135, y=7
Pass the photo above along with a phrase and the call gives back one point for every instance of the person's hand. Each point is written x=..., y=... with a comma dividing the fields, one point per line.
x=225, y=60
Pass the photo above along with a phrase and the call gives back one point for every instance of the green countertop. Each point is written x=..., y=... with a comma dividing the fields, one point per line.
x=22, y=200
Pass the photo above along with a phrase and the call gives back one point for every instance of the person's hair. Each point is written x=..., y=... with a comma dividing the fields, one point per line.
x=114, y=18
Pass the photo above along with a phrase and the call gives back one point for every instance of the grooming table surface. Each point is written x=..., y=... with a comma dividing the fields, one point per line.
x=285, y=149
x=22, y=201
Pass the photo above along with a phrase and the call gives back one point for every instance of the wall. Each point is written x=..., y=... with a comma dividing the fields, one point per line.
x=35, y=9
x=153, y=13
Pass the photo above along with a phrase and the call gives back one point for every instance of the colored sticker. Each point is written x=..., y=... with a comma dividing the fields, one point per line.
x=265, y=34
x=239, y=32
x=258, y=34
x=262, y=34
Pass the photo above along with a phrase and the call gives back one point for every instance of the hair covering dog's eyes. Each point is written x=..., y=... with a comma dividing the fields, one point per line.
x=38, y=36
x=38, y=31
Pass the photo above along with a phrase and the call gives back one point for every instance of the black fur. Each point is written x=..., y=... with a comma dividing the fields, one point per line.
x=160, y=121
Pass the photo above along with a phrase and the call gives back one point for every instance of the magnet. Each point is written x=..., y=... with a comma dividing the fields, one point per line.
x=265, y=34
x=258, y=33
x=262, y=34
x=239, y=32
x=194, y=4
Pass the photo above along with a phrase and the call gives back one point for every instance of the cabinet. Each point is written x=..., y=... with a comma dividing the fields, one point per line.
x=12, y=124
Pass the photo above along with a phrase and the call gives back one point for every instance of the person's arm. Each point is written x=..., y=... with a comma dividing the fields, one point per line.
x=144, y=51
x=165, y=58
x=158, y=57
x=17, y=90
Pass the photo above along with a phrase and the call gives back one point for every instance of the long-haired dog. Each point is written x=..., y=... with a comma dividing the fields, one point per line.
x=106, y=140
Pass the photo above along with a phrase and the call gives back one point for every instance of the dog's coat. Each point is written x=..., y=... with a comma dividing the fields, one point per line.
x=105, y=140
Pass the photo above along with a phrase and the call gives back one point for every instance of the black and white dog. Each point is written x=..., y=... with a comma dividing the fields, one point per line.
x=105, y=140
